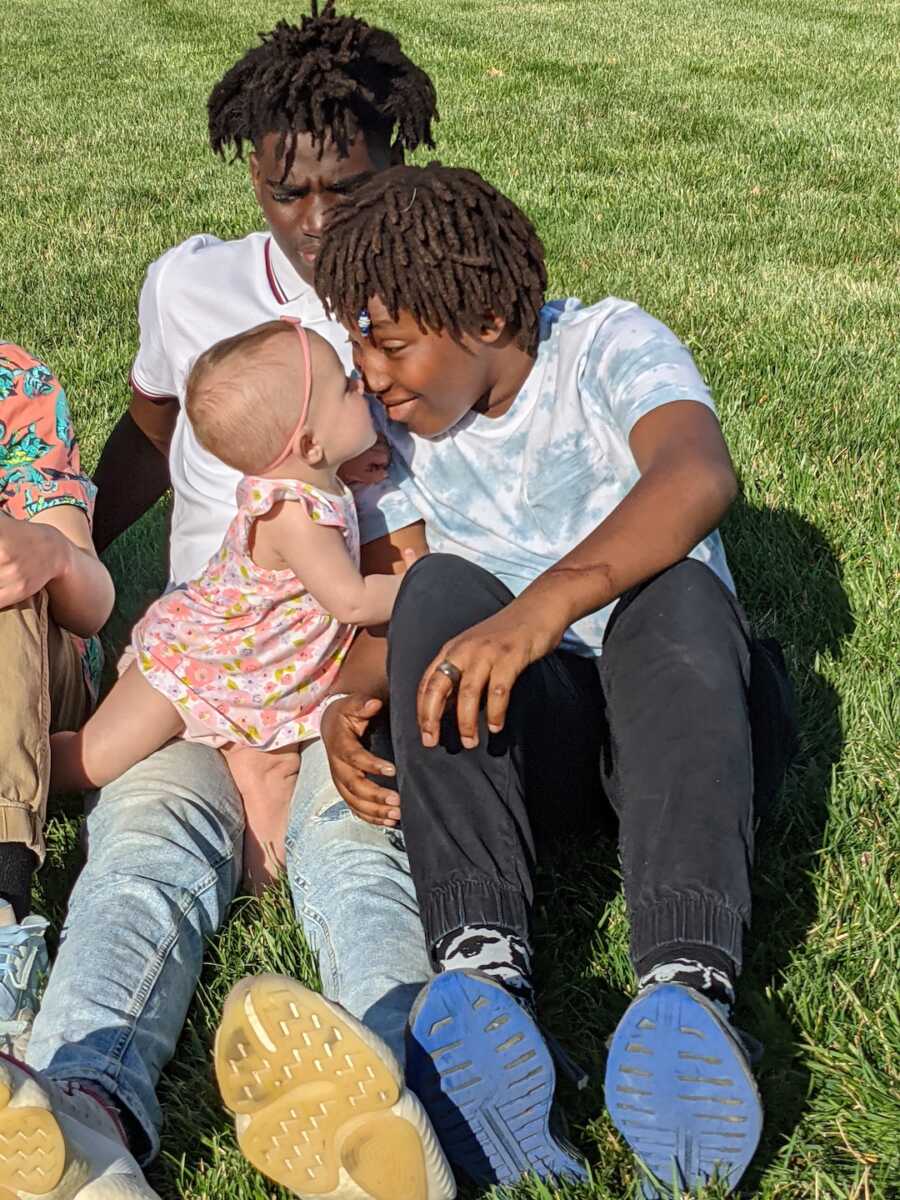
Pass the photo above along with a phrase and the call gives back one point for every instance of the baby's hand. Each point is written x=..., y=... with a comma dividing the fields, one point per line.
x=369, y=467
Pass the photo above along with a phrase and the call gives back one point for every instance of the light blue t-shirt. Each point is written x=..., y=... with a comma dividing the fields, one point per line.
x=515, y=493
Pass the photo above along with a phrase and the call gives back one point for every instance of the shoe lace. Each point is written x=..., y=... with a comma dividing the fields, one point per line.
x=14, y=960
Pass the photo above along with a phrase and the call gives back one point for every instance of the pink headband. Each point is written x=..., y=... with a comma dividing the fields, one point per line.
x=293, y=446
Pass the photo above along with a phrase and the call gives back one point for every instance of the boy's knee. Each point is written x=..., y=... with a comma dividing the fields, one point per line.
x=441, y=596
x=684, y=615
x=688, y=598
x=442, y=588
x=431, y=577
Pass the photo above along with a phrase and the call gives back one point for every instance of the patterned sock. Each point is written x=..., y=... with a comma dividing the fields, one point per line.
x=494, y=950
x=715, y=979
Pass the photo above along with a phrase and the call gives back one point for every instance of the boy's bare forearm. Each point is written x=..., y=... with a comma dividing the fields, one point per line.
x=133, y=473
x=364, y=670
x=665, y=515
x=686, y=487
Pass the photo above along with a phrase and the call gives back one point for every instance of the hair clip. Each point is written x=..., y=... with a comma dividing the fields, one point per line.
x=364, y=321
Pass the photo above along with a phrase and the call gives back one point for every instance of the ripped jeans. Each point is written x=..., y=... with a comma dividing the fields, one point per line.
x=163, y=866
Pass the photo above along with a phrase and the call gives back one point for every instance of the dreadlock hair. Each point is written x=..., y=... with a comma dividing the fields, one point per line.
x=439, y=242
x=330, y=77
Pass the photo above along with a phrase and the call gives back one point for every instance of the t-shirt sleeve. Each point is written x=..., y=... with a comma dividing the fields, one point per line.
x=383, y=508
x=41, y=465
x=636, y=364
x=152, y=372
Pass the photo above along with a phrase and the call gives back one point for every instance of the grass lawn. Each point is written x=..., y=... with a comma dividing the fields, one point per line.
x=733, y=167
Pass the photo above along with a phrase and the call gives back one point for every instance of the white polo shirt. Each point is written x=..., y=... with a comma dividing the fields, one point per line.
x=195, y=295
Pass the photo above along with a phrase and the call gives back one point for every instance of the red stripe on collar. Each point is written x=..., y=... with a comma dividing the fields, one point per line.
x=270, y=274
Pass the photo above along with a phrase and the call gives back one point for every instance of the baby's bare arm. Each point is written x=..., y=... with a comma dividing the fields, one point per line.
x=317, y=554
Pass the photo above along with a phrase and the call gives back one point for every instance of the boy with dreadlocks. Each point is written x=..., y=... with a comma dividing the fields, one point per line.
x=318, y=107
x=574, y=634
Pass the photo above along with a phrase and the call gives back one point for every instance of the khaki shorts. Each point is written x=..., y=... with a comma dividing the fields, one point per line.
x=42, y=689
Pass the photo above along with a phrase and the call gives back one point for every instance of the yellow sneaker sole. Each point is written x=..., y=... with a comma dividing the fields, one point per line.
x=32, y=1149
x=314, y=1095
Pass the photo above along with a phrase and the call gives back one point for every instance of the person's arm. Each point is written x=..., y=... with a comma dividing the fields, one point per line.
x=687, y=485
x=317, y=554
x=364, y=677
x=133, y=471
x=54, y=551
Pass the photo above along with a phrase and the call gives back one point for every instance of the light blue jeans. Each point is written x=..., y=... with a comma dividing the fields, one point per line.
x=163, y=864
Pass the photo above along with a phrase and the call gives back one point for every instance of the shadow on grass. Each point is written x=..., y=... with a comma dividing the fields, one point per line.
x=789, y=580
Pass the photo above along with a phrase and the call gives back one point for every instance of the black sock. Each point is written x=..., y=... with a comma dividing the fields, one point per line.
x=705, y=968
x=17, y=865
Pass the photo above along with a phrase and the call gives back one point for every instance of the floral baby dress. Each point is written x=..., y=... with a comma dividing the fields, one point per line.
x=247, y=654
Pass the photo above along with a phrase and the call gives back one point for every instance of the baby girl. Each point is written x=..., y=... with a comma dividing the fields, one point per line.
x=244, y=655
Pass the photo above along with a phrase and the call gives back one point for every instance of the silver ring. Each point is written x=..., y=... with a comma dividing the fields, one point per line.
x=451, y=670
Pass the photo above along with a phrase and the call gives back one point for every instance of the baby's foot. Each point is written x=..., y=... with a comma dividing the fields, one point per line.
x=263, y=862
x=266, y=781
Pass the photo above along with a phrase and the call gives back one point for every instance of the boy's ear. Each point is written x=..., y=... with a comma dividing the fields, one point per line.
x=492, y=328
x=310, y=450
x=255, y=175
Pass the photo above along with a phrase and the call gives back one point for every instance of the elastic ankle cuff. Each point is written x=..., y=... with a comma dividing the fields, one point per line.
x=454, y=905
x=659, y=930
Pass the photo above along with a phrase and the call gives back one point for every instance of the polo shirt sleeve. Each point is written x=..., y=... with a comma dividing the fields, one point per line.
x=636, y=364
x=152, y=372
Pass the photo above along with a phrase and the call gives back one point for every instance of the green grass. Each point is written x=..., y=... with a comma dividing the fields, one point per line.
x=732, y=166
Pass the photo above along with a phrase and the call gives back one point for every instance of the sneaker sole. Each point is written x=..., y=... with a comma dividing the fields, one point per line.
x=320, y=1104
x=680, y=1091
x=32, y=1148
x=483, y=1071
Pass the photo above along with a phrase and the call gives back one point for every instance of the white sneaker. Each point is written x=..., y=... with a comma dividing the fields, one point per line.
x=23, y=966
x=61, y=1142
x=320, y=1102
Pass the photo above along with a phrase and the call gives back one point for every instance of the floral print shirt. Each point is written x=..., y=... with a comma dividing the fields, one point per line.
x=40, y=465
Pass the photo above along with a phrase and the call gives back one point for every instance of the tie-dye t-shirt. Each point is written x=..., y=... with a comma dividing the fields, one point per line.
x=515, y=493
x=40, y=466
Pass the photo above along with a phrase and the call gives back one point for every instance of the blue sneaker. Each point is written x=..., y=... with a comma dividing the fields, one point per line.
x=23, y=966
x=481, y=1067
x=680, y=1091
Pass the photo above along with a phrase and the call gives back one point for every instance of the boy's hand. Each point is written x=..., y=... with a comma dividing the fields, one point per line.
x=343, y=725
x=369, y=467
x=31, y=556
x=490, y=657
